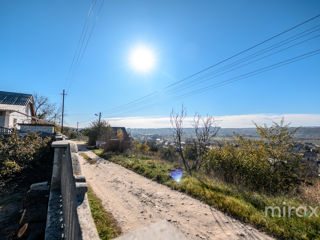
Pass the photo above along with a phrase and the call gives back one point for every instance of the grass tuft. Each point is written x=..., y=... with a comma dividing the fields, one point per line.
x=105, y=223
x=86, y=157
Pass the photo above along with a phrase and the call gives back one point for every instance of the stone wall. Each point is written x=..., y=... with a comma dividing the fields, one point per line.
x=69, y=215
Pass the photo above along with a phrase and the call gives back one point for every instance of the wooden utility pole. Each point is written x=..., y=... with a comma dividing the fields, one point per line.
x=78, y=130
x=99, y=118
x=63, y=94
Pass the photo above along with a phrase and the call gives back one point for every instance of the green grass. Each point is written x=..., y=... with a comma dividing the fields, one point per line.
x=247, y=206
x=75, y=140
x=86, y=157
x=106, y=225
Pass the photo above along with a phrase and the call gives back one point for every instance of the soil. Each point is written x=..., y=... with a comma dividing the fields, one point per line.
x=136, y=202
x=15, y=198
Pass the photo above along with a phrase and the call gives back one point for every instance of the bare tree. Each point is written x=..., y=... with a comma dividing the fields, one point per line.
x=204, y=129
x=177, y=125
x=203, y=134
x=46, y=110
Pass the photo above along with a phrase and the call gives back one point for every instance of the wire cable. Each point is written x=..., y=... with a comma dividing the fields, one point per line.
x=234, y=79
x=146, y=97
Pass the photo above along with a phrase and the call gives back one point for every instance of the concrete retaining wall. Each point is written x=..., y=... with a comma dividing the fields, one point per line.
x=36, y=128
x=69, y=215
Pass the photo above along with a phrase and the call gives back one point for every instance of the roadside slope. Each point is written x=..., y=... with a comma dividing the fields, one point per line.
x=136, y=202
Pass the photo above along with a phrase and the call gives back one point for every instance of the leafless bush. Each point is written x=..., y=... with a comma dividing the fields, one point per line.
x=205, y=130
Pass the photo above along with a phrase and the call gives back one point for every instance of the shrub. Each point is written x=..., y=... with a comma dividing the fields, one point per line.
x=17, y=153
x=169, y=153
x=96, y=130
x=139, y=147
x=69, y=133
x=269, y=164
x=152, y=146
x=8, y=168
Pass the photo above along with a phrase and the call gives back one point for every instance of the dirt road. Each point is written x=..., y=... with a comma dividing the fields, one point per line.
x=136, y=202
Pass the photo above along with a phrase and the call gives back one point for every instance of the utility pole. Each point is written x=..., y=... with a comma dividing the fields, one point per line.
x=99, y=126
x=99, y=117
x=63, y=94
x=78, y=130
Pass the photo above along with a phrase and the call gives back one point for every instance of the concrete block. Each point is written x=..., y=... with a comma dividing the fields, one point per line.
x=86, y=222
x=60, y=144
x=73, y=147
x=75, y=164
x=157, y=231
x=81, y=189
x=79, y=178
x=41, y=186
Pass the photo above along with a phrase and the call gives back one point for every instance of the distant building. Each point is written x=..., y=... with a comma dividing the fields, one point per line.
x=15, y=108
x=310, y=158
x=310, y=155
x=116, y=130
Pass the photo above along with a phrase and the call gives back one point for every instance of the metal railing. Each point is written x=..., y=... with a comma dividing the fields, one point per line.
x=5, y=131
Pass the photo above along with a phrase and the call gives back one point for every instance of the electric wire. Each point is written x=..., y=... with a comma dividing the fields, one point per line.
x=234, y=79
x=153, y=94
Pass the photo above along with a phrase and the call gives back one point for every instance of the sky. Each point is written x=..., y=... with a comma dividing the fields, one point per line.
x=40, y=39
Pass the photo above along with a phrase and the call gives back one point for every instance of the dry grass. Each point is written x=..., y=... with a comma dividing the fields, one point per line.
x=86, y=157
x=311, y=193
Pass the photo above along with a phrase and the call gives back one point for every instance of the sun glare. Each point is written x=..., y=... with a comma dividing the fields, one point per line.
x=142, y=59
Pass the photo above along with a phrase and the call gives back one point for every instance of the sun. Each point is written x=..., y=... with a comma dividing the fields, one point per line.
x=142, y=59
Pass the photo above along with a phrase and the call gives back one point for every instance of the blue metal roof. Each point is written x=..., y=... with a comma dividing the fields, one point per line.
x=12, y=98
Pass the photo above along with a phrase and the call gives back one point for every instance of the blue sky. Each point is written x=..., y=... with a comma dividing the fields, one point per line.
x=39, y=39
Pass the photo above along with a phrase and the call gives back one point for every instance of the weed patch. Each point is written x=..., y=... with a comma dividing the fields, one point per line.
x=86, y=157
x=105, y=223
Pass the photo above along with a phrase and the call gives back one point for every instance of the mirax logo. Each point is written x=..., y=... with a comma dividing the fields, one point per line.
x=289, y=211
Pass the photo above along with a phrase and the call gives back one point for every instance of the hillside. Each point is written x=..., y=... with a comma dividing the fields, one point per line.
x=302, y=133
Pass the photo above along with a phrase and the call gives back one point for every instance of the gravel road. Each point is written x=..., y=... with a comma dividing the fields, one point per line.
x=136, y=202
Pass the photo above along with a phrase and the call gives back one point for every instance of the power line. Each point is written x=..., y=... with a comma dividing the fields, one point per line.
x=246, y=50
x=210, y=77
x=254, y=55
x=255, y=72
x=85, y=37
x=240, y=77
x=80, y=41
x=144, y=98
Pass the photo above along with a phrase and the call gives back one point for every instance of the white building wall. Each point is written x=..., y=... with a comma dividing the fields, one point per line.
x=2, y=118
x=6, y=122
x=16, y=118
x=12, y=118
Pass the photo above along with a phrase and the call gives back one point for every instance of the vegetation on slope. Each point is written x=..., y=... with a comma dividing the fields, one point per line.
x=19, y=155
x=245, y=205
